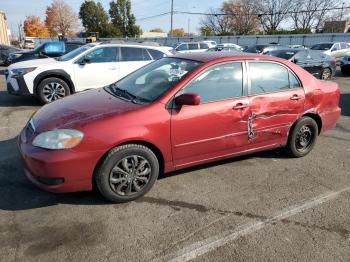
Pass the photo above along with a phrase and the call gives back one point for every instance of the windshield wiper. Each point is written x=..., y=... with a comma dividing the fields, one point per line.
x=125, y=94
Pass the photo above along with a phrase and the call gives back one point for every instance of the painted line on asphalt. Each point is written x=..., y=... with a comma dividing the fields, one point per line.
x=205, y=246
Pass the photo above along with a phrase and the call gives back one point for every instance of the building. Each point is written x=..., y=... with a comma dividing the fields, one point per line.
x=336, y=27
x=4, y=35
x=153, y=34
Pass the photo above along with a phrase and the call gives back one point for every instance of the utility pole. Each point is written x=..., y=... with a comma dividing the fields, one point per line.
x=188, y=26
x=341, y=13
x=171, y=18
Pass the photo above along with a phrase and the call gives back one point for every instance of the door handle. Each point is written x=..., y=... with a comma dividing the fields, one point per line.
x=295, y=97
x=240, y=106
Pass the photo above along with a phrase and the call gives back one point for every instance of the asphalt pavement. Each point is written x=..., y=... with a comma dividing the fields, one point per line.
x=260, y=207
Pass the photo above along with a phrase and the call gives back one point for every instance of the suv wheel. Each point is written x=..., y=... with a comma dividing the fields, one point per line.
x=51, y=89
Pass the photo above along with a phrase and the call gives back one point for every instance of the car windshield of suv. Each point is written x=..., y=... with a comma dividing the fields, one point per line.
x=153, y=80
x=323, y=46
x=75, y=53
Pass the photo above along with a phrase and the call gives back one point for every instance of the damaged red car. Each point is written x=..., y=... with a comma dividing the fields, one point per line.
x=174, y=113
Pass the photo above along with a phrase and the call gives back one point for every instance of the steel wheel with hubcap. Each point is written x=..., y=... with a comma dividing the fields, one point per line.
x=127, y=172
x=302, y=137
x=52, y=89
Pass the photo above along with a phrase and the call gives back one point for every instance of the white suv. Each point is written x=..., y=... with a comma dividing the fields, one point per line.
x=90, y=66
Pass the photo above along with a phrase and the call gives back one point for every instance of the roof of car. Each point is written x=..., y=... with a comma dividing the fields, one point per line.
x=208, y=56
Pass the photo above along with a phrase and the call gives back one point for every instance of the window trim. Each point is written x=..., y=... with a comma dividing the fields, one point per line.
x=244, y=82
x=249, y=94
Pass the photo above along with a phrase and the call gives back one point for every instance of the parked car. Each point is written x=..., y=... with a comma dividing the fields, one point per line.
x=160, y=118
x=336, y=50
x=345, y=65
x=90, y=66
x=49, y=49
x=317, y=63
x=255, y=48
x=5, y=50
x=192, y=47
x=29, y=44
x=231, y=45
x=224, y=49
x=210, y=43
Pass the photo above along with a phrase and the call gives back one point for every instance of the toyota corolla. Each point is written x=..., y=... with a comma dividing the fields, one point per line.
x=174, y=113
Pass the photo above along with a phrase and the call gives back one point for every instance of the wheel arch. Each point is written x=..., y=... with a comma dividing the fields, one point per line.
x=61, y=74
x=147, y=144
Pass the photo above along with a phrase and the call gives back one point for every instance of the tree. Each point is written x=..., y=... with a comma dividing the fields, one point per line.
x=156, y=30
x=276, y=11
x=242, y=16
x=60, y=19
x=32, y=26
x=213, y=24
x=95, y=19
x=313, y=15
x=178, y=32
x=123, y=19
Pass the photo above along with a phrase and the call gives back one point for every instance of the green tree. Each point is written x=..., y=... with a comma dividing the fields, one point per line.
x=123, y=19
x=95, y=19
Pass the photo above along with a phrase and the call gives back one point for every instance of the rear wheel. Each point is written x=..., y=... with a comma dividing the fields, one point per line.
x=128, y=172
x=326, y=74
x=51, y=89
x=302, y=137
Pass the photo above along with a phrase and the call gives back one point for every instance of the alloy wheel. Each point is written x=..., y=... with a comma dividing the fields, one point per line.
x=326, y=74
x=53, y=91
x=130, y=175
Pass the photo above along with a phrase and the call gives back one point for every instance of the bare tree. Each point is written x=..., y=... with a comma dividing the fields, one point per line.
x=275, y=11
x=217, y=24
x=308, y=14
x=242, y=16
x=60, y=18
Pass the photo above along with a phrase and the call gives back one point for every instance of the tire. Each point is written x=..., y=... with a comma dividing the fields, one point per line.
x=326, y=74
x=51, y=89
x=298, y=146
x=122, y=178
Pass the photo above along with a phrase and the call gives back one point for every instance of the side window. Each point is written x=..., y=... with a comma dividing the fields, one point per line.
x=102, y=55
x=294, y=82
x=267, y=77
x=203, y=46
x=343, y=46
x=193, y=46
x=336, y=47
x=182, y=47
x=134, y=54
x=219, y=82
x=156, y=54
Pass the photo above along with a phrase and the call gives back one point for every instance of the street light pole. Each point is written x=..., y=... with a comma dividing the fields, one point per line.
x=171, y=17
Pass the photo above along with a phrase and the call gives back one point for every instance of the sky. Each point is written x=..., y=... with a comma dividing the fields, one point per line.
x=16, y=11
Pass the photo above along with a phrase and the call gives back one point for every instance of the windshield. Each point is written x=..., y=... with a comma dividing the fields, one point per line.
x=151, y=81
x=282, y=54
x=75, y=53
x=324, y=46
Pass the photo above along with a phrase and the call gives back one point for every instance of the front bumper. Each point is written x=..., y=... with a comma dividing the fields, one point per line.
x=58, y=171
x=16, y=85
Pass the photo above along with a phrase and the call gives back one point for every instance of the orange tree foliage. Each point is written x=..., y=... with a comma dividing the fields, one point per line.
x=34, y=27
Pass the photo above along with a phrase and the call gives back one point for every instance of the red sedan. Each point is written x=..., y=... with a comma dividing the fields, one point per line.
x=176, y=112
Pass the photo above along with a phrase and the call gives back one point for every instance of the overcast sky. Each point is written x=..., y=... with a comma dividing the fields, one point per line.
x=17, y=10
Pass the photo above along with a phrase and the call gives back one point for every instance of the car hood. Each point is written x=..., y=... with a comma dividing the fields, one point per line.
x=34, y=63
x=78, y=109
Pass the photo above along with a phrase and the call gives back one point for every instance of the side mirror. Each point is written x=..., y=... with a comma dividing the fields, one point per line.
x=85, y=61
x=190, y=99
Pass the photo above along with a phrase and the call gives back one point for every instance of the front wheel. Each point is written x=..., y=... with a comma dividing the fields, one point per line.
x=302, y=137
x=127, y=172
x=326, y=74
x=51, y=89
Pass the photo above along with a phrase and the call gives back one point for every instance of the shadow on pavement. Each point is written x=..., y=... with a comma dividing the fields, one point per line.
x=14, y=101
x=17, y=192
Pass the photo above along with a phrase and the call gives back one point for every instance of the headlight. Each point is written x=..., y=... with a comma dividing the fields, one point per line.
x=58, y=139
x=21, y=71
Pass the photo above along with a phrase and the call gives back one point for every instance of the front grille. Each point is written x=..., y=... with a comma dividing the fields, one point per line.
x=29, y=130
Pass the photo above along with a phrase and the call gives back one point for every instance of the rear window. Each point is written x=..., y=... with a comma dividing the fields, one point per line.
x=203, y=46
x=322, y=46
x=193, y=46
x=134, y=54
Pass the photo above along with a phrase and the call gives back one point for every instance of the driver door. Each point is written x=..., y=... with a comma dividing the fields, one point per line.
x=96, y=69
x=218, y=125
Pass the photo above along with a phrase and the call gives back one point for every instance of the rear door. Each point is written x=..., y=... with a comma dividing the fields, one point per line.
x=276, y=100
x=131, y=59
x=216, y=127
x=100, y=68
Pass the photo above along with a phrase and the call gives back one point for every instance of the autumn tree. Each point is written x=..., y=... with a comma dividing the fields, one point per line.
x=95, y=19
x=275, y=11
x=60, y=19
x=32, y=26
x=215, y=23
x=178, y=32
x=123, y=19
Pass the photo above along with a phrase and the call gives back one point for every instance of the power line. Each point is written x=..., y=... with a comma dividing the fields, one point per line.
x=152, y=16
